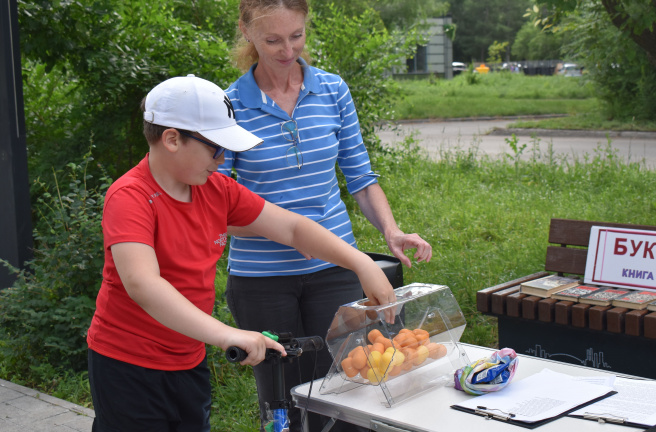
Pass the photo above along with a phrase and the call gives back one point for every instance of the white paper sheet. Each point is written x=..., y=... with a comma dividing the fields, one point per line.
x=538, y=397
x=635, y=402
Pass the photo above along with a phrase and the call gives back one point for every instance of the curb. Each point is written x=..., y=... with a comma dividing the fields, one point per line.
x=572, y=133
x=538, y=132
x=48, y=399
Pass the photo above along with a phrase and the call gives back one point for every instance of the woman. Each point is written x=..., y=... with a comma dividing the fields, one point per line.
x=308, y=122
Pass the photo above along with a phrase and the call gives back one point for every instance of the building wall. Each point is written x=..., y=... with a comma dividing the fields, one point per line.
x=436, y=57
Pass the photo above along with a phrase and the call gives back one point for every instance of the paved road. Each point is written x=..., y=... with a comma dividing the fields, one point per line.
x=489, y=137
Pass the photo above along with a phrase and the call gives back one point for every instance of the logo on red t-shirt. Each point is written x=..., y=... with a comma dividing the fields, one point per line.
x=222, y=240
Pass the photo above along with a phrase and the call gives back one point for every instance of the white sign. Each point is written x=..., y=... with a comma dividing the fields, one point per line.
x=621, y=257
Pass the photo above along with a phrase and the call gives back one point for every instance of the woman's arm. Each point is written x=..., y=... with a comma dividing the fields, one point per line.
x=376, y=209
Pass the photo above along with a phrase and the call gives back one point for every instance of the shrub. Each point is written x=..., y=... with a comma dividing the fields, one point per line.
x=363, y=53
x=45, y=314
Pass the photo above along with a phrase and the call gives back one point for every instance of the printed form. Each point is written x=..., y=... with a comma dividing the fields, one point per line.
x=539, y=397
x=633, y=403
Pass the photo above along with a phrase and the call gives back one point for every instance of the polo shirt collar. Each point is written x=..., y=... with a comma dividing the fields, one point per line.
x=251, y=95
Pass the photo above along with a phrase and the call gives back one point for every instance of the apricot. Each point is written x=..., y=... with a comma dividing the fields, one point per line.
x=399, y=337
x=374, y=376
x=386, y=361
x=355, y=350
x=384, y=341
x=374, y=359
x=347, y=367
x=396, y=370
x=435, y=350
x=410, y=342
x=422, y=355
x=353, y=318
x=372, y=314
x=398, y=359
x=419, y=331
x=378, y=347
x=410, y=355
x=359, y=359
x=373, y=335
x=421, y=336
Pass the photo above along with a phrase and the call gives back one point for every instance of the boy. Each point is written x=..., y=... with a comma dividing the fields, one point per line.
x=165, y=227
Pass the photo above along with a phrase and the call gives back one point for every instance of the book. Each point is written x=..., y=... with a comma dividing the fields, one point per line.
x=546, y=286
x=635, y=300
x=651, y=307
x=603, y=297
x=575, y=293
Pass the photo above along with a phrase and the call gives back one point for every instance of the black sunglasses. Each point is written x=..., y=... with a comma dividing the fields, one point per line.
x=218, y=149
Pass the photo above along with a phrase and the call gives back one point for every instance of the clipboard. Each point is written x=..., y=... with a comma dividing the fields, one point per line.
x=624, y=408
x=491, y=413
x=614, y=419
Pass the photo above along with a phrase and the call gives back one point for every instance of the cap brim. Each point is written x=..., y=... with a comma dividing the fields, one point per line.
x=233, y=138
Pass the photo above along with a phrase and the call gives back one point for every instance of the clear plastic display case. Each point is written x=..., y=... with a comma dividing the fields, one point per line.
x=401, y=349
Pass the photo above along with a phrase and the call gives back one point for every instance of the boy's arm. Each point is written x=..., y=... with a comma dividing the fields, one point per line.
x=305, y=235
x=138, y=269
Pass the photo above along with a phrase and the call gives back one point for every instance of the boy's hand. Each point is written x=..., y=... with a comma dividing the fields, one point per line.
x=255, y=344
x=377, y=287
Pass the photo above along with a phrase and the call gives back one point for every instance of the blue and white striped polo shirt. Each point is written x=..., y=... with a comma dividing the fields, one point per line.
x=328, y=133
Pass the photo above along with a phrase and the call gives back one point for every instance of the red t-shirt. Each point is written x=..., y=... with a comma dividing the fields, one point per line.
x=188, y=239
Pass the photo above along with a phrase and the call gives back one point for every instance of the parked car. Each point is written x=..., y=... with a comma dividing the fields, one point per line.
x=458, y=67
x=571, y=70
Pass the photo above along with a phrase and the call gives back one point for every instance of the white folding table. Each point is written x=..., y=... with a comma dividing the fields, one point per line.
x=431, y=411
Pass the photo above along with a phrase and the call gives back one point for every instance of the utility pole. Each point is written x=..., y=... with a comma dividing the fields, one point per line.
x=15, y=213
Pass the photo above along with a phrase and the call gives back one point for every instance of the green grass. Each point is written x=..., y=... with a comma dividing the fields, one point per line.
x=492, y=95
x=487, y=220
x=488, y=223
x=593, y=120
x=505, y=94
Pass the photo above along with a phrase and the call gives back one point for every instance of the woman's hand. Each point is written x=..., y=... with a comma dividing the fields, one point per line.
x=399, y=242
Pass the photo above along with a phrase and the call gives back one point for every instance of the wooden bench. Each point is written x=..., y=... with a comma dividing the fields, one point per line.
x=608, y=338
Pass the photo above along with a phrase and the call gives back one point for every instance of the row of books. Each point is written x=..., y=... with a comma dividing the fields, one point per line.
x=566, y=288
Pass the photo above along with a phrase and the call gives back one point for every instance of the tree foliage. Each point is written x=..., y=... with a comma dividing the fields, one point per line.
x=363, y=52
x=634, y=18
x=615, y=41
x=481, y=23
x=531, y=43
x=87, y=65
x=112, y=53
x=395, y=15
x=44, y=316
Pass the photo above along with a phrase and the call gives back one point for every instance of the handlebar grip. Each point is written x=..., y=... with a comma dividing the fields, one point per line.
x=235, y=354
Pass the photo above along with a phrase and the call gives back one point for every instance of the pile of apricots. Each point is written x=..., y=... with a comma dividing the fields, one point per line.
x=388, y=358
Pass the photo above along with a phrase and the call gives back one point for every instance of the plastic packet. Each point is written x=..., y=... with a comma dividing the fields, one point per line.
x=488, y=374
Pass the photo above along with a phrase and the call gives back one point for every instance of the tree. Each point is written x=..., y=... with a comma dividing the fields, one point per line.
x=481, y=23
x=107, y=54
x=634, y=18
x=531, y=43
x=363, y=52
x=395, y=15
x=615, y=41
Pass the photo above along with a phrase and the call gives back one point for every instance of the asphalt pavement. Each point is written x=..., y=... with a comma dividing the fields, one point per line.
x=490, y=137
x=25, y=410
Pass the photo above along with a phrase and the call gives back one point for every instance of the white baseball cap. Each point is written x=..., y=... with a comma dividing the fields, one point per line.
x=197, y=105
